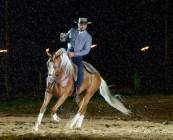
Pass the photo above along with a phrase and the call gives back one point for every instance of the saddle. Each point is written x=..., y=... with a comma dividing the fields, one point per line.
x=88, y=67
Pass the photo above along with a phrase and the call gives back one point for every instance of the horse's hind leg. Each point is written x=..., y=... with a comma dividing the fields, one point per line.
x=47, y=99
x=79, y=117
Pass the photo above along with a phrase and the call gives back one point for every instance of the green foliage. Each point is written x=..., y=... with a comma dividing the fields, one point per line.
x=136, y=81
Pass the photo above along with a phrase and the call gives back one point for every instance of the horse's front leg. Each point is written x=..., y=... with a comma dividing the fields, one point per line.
x=47, y=99
x=66, y=92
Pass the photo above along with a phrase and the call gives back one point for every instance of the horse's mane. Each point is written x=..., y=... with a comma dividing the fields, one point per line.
x=65, y=63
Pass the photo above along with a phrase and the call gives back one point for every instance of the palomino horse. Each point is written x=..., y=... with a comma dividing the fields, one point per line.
x=61, y=75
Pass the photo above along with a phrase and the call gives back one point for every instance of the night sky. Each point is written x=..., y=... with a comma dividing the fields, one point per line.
x=120, y=28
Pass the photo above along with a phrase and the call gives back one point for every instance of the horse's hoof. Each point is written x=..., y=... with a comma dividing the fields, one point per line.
x=35, y=129
x=55, y=118
x=71, y=126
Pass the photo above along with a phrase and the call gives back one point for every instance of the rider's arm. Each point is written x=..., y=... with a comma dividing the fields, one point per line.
x=64, y=36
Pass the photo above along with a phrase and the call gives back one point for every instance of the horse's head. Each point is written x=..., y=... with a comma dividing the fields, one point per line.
x=62, y=62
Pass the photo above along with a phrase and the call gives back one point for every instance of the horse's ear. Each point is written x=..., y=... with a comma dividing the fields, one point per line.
x=49, y=54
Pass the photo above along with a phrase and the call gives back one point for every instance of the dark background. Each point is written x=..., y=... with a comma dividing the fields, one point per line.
x=120, y=28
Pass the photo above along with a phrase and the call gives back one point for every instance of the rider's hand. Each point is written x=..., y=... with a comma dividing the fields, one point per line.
x=71, y=54
x=62, y=35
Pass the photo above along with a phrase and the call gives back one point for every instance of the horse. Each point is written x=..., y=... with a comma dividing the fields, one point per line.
x=60, y=82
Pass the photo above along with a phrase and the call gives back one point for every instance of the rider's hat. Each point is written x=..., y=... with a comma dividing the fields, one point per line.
x=83, y=20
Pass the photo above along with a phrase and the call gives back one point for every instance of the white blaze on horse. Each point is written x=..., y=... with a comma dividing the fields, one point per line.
x=60, y=82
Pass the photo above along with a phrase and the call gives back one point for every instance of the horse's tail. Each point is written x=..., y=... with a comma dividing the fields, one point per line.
x=111, y=99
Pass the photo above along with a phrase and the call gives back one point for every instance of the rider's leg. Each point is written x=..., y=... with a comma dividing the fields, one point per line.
x=80, y=72
x=80, y=75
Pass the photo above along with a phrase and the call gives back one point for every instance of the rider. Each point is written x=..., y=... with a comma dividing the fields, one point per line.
x=79, y=45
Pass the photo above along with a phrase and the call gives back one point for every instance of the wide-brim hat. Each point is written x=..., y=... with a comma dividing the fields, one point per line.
x=83, y=20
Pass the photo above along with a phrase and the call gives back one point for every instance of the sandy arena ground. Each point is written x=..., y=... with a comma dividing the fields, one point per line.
x=151, y=119
x=92, y=129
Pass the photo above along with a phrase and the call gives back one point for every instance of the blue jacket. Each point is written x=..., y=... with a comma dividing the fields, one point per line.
x=79, y=41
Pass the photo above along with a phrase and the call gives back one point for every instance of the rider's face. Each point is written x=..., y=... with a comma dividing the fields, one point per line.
x=82, y=26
